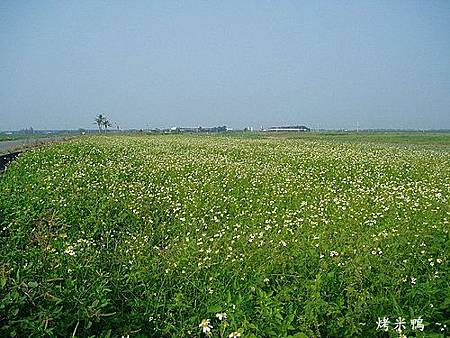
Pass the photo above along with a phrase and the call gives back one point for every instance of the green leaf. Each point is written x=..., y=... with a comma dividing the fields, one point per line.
x=298, y=335
x=214, y=309
x=33, y=284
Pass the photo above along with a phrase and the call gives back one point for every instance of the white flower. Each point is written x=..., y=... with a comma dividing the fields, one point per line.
x=334, y=253
x=206, y=327
x=221, y=316
x=69, y=250
x=234, y=335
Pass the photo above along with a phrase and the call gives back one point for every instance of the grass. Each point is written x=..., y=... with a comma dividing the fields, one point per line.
x=151, y=236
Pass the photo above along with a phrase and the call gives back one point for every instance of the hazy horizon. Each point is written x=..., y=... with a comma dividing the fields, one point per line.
x=330, y=65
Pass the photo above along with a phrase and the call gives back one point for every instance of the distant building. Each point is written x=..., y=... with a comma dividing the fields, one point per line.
x=289, y=128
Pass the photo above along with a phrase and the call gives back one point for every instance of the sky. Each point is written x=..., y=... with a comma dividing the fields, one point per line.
x=158, y=64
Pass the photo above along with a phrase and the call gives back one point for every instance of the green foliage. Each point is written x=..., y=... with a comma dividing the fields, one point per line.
x=150, y=236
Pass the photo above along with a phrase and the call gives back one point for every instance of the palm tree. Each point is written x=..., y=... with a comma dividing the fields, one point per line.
x=106, y=124
x=100, y=120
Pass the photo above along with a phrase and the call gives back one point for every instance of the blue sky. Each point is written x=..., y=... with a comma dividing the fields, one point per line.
x=327, y=64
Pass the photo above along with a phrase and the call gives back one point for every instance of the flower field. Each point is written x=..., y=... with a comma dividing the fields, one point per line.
x=193, y=236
